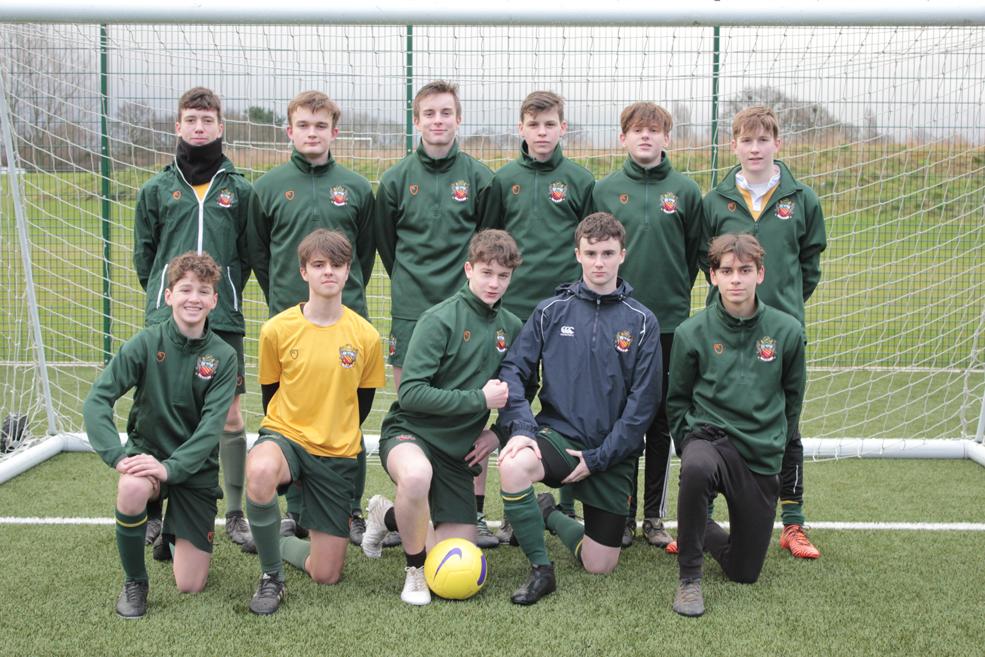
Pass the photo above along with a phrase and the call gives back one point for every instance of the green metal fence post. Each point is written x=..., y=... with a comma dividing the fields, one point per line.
x=715, y=61
x=409, y=93
x=106, y=172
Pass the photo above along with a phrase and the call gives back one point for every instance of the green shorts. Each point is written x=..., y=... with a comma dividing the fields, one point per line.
x=610, y=491
x=326, y=484
x=400, y=332
x=235, y=340
x=191, y=514
x=452, y=493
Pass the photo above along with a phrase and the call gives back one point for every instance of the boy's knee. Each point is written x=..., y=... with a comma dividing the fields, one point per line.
x=191, y=584
x=416, y=484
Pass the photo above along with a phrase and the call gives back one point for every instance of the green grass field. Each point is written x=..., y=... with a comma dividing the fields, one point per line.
x=873, y=592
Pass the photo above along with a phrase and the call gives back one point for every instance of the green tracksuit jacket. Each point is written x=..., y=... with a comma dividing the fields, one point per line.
x=790, y=228
x=456, y=348
x=744, y=376
x=540, y=205
x=661, y=210
x=170, y=221
x=183, y=391
x=426, y=212
x=291, y=201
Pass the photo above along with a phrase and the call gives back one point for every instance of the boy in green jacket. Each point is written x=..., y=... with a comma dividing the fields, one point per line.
x=661, y=210
x=308, y=192
x=434, y=439
x=185, y=378
x=737, y=379
x=200, y=203
x=760, y=196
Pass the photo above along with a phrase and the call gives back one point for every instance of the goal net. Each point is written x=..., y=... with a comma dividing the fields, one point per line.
x=885, y=123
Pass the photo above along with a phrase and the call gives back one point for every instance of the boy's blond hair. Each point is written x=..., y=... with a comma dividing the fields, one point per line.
x=494, y=245
x=645, y=114
x=537, y=102
x=744, y=246
x=753, y=119
x=314, y=101
x=200, y=264
x=331, y=244
x=433, y=89
x=200, y=98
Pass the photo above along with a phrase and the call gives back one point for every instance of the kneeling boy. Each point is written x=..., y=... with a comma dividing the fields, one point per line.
x=433, y=440
x=185, y=378
x=736, y=387
x=320, y=365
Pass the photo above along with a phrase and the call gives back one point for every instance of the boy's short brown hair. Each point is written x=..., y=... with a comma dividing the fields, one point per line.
x=200, y=98
x=314, y=101
x=331, y=244
x=494, y=245
x=600, y=226
x=752, y=119
x=433, y=89
x=200, y=264
x=542, y=101
x=744, y=246
x=645, y=114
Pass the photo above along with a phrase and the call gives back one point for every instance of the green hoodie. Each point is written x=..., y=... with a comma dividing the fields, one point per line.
x=170, y=221
x=790, y=229
x=426, y=212
x=661, y=210
x=456, y=348
x=291, y=201
x=184, y=388
x=540, y=205
x=744, y=376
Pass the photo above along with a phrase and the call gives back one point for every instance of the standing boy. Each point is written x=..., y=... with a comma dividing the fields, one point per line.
x=320, y=365
x=539, y=198
x=600, y=360
x=185, y=378
x=661, y=210
x=434, y=439
x=308, y=192
x=761, y=197
x=200, y=202
x=736, y=386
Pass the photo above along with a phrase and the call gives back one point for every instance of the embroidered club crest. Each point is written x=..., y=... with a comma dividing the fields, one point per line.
x=718, y=348
x=624, y=198
x=393, y=344
x=624, y=339
x=731, y=206
x=501, y=341
x=784, y=208
x=340, y=196
x=413, y=189
x=161, y=356
x=210, y=536
x=226, y=198
x=515, y=189
x=294, y=354
x=766, y=349
x=460, y=191
x=289, y=195
x=668, y=203
x=206, y=367
x=557, y=191
x=176, y=194
x=347, y=355
x=467, y=335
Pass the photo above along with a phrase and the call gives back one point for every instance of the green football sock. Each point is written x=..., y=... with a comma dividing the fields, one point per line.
x=792, y=512
x=232, y=458
x=528, y=524
x=566, y=501
x=265, y=525
x=295, y=551
x=293, y=497
x=568, y=530
x=130, y=543
x=359, y=482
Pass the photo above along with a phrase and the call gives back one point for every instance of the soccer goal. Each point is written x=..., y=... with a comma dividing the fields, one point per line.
x=882, y=113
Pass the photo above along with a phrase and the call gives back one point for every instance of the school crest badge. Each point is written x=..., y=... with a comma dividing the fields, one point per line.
x=206, y=367
x=731, y=206
x=467, y=335
x=624, y=198
x=784, y=208
x=294, y=354
x=501, y=341
x=718, y=348
x=340, y=196
x=668, y=203
x=176, y=194
x=515, y=189
x=393, y=344
x=210, y=537
x=413, y=189
x=226, y=198
x=161, y=356
x=460, y=191
x=289, y=195
x=557, y=191
x=347, y=355
x=766, y=349
x=624, y=339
